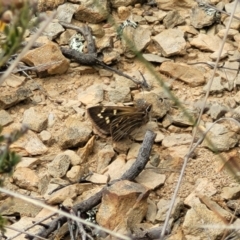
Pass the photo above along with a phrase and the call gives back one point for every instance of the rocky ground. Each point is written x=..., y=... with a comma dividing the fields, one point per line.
x=179, y=40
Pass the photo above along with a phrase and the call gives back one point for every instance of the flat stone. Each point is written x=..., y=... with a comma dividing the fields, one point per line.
x=191, y=225
x=105, y=156
x=155, y=58
x=75, y=134
x=26, y=178
x=75, y=173
x=35, y=120
x=65, y=12
x=234, y=24
x=92, y=95
x=46, y=137
x=173, y=4
x=230, y=35
x=219, y=138
x=176, y=139
x=84, y=152
x=118, y=167
x=28, y=162
x=120, y=94
x=126, y=203
x=13, y=97
x=173, y=19
x=171, y=42
x=230, y=193
x=199, y=18
x=13, y=205
x=53, y=30
x=209, y=43
x=183, y=72
x=44, y=5
x=29, y=144
x=163, y=206
x=14, y=80
x=217, y=111
x=203, y=187
x=150, y=179
x=59, y=166
x=50, y=57
x=90, y=11
x=5, y=118
x=97, y=178
x=216, y=87
x=140, y=38
x=185, y=118
x=60, y=195
x=23, y=223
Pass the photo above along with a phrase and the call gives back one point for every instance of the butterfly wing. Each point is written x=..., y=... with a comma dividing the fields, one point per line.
x=103, y=116
x=118, y=121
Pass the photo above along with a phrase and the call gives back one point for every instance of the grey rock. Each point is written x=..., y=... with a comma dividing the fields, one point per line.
x=154, y=160
x=191, y=226
x=105, y=156
x=199, y=18
x=171, y=42
x=163, y=206
x=229, y=75
x=230, y=7
x=35, y=120
x=26, y=178
x=216, y=87
x=75, y=135
x=217, y=111
x=13, y=97
x=75, y=173
x=123, y=82
x=89, y=10
x=65, y=12
x=120, y=94
x=137, y=38
x=59, y=166
x=188, y=74
x=91, y=95
x=46, y=137
x=5, y=118
x=209, y=43
x=13, y=205
x=128, y=208
x=185, y=118
x=176, y=140
x=53, y=30
x=30, y=144
x=155, y=58
x=150, y=179
x=234, y=205
x=231, y=193
x=219, y=138
x=50, y=57
x=119, y=3
x=173, y=19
